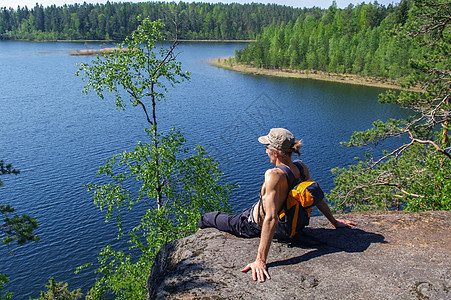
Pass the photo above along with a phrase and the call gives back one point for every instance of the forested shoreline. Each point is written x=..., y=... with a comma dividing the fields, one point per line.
x=354, y=40
x=114, y=21
x=358, y=40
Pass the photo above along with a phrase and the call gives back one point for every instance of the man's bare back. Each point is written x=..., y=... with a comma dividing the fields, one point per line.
x=283, y=189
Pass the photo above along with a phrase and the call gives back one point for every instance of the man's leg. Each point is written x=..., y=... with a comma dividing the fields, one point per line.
x=236, y=224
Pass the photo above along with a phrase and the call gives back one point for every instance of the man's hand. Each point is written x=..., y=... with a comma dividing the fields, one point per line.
x=343, y=223
x=258, y=270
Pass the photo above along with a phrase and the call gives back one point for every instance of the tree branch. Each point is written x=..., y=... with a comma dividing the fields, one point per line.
x=166, y=59
x=430, y=143
x=397, y=151
x=385, y=183
x=145, y=111
x=142, y=104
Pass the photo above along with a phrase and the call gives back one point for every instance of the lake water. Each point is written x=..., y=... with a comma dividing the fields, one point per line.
x=57, y=137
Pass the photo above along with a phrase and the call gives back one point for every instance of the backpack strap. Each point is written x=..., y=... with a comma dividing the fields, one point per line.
x=292, y=181
x=301, y=169
x=290, y=176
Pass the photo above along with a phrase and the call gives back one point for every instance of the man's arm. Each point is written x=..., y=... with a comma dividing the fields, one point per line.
x=324, y=208
x=258, y=267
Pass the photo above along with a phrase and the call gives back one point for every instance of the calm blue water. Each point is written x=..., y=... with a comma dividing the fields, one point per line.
x=58, y=137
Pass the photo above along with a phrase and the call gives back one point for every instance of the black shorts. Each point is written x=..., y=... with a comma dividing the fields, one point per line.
x=236, y=224
x=239, y=224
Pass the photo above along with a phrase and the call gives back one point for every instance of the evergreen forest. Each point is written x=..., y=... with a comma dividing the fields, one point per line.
x=115, y=21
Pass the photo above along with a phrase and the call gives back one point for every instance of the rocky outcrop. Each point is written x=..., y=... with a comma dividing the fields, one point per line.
x=389, y=255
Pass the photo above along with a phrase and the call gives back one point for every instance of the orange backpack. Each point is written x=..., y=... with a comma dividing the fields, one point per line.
x=304, y=194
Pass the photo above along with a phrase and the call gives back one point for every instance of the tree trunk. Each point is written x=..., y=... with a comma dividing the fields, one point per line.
x=445, y=129
x=155, y=143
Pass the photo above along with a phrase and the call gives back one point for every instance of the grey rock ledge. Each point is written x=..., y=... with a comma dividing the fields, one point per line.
x=389, y=255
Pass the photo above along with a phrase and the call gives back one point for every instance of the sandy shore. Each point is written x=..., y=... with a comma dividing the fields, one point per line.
x=225, y=63
x=216, y=41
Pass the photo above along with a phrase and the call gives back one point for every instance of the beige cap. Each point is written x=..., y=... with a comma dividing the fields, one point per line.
x=278, y=138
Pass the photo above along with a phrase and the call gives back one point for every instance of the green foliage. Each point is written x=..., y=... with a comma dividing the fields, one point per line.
x=4, y=280
x=428, y=29
x=7, y=169
x=192, y=186
x=136, y=68
x=380, y=132
x=417, y=180
x=137, y=71
x=59, y=291
x=166, y=184
x=416, y=175
x=17, y=228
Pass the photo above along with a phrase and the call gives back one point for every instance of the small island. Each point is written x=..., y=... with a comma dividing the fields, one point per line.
x=96, y=51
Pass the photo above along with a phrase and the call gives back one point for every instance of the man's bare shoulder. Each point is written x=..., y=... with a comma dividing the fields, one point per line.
x=274, y=174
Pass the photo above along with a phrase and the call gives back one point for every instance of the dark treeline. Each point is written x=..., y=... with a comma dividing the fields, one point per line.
x=117, y=20
x=357, y=40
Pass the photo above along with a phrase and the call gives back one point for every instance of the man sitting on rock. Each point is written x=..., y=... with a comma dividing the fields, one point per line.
x=262, y=218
